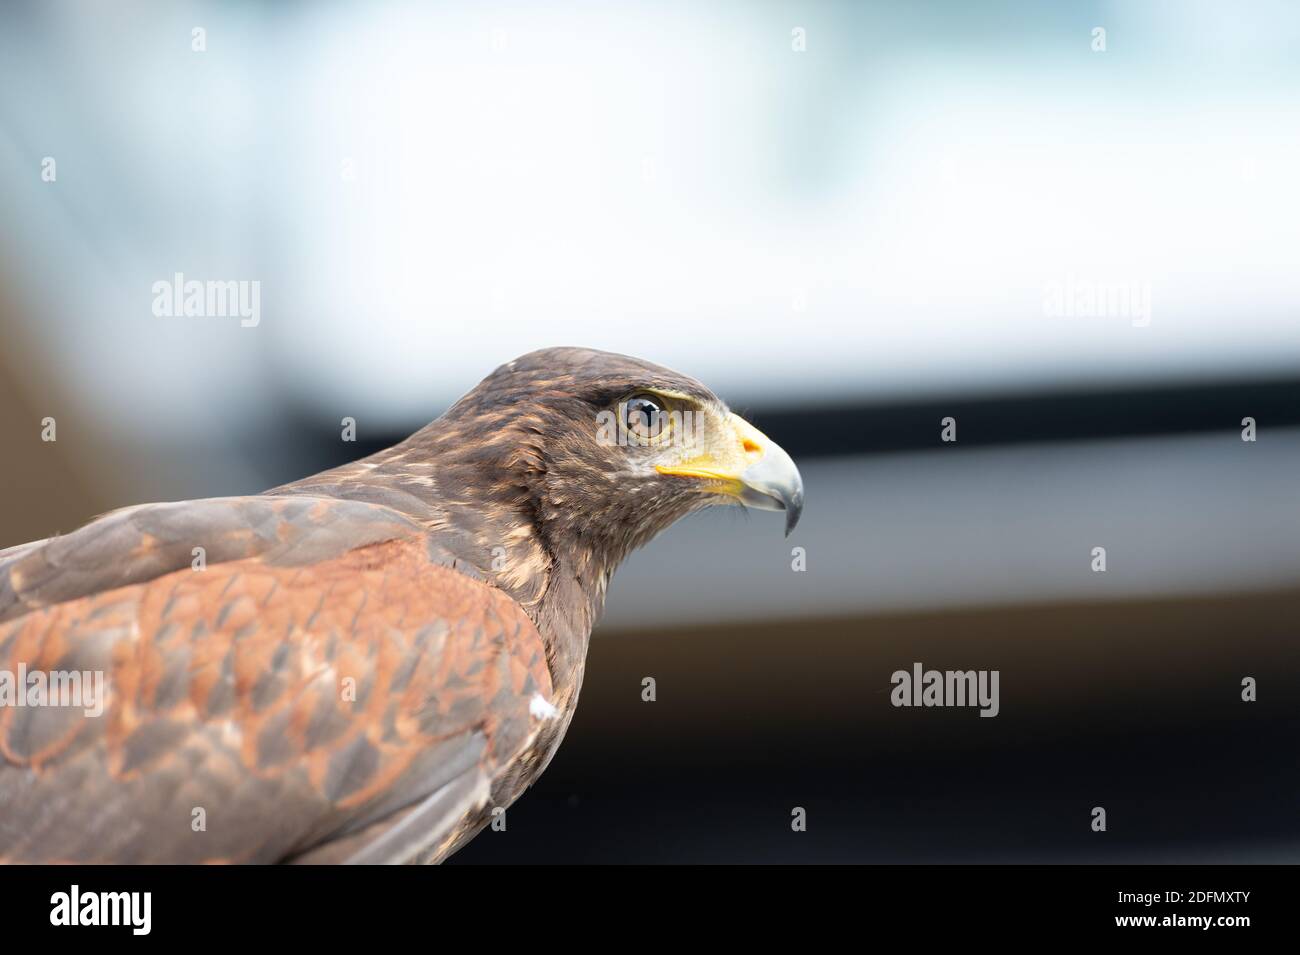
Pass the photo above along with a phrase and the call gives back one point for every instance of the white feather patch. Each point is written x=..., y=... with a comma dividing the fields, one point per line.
x=542, y=708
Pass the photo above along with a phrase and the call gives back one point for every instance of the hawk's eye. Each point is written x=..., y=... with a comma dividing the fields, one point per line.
x=643, y=416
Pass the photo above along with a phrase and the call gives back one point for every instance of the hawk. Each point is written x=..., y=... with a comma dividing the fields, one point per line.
x=365, y=663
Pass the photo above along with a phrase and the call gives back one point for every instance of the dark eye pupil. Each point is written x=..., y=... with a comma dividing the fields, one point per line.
x=642, y=413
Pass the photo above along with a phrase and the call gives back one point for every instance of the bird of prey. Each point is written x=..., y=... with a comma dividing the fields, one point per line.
x=360, y=666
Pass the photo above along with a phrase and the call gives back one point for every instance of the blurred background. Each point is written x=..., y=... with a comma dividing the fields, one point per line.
x=852, y=220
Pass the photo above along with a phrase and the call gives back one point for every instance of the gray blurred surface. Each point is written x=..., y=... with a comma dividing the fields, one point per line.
x=1188, y=515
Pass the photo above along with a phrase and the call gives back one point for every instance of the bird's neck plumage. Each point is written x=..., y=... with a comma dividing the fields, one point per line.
x=493, y=520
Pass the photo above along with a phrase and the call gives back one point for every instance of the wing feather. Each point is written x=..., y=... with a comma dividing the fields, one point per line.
x=323, y=689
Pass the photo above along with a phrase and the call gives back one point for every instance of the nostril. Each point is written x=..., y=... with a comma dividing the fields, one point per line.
x=751, y=447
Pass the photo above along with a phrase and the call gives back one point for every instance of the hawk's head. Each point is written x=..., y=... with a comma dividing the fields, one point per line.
x=557, y=465
x=608, y=450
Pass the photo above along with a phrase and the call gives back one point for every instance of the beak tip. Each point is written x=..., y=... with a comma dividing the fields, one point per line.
x=793, y=511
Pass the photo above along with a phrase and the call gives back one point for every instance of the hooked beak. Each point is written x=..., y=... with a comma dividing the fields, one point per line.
x=750, y=467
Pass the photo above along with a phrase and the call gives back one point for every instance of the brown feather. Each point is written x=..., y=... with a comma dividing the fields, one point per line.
x=226, y=693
